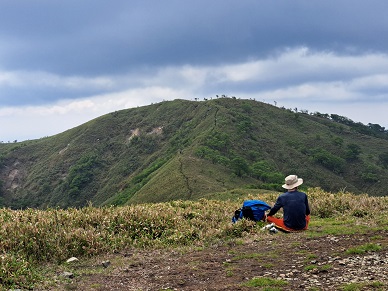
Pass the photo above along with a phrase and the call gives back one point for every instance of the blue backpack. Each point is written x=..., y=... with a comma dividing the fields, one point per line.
x=251, y=209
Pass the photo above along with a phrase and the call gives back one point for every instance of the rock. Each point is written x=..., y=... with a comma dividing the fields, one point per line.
x=72, y=259
x=105, y=264
x=67, y=275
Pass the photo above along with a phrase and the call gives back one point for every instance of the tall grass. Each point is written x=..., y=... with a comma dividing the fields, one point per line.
x=32, y=237
x=326, y=204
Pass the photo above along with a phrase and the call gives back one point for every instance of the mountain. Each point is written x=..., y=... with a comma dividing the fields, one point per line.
x=191, y=149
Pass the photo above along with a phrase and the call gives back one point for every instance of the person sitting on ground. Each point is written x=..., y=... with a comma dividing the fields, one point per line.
x=296, y=210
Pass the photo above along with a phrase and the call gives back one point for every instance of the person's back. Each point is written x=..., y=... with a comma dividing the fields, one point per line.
x=296, y=210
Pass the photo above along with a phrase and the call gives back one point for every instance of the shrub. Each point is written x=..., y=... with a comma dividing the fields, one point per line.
x=264, y=171
x=217, y=141
x=370, y=177
x=352, y=152
x=329, y=161
x=81, y=174
x=211, y=155
x=239, y=166
x=383, y=159
x=17, y=272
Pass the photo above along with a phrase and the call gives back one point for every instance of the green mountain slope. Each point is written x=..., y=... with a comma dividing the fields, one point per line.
x=187, y=149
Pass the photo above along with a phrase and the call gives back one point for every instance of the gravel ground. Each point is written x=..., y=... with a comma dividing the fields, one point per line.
x=305, y=263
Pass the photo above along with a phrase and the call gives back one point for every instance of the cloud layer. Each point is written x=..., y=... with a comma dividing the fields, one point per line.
x=64, y=63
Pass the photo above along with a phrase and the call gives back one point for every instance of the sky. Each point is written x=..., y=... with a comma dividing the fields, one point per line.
x=63, y=63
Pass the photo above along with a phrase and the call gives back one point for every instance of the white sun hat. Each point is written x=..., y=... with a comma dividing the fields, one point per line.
x=292, y=181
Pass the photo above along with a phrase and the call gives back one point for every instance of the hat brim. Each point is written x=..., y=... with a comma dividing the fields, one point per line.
x=292, y=186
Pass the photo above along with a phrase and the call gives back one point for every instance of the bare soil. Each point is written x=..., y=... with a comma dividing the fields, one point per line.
x=305, y=263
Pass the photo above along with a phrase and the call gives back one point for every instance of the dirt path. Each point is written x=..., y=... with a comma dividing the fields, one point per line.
x=304, y=263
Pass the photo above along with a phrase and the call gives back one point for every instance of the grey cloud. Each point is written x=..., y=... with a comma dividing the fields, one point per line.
x=91, y=37
x=134, y=39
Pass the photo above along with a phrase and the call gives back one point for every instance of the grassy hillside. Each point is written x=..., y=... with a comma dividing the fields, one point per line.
x=188, y=149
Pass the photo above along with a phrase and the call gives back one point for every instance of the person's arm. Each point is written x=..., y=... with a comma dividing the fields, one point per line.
x=307, y=206
x=275, y=208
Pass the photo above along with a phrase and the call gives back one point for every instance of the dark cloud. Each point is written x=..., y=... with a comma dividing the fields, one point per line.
x=53, y=50
x=103, y=37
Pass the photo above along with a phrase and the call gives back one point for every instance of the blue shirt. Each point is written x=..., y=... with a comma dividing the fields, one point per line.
x=295, y=208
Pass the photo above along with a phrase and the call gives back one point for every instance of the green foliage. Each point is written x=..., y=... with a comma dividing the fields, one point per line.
x=145, y=144
x=369, y=247
x=215, y=148
x=218, y=141
x=244, y=123
x=148, y=171
x=180, y=139
x=247, y=107
x=310, y=267
x=264, y=171
x=136, y=184
x=353, y=287
x=239, y=166
x=362, y=286
x=81, y=174
x=353, y=151
x=370, y=129
x=370, y=174
x=272, y=186
x=328, y=160
x=17, y=272
x=265, y=282
x=212, y=155
x=383, y=159
x=338, y=141
x=341, y=119
x=320, y=268
x=370, y=177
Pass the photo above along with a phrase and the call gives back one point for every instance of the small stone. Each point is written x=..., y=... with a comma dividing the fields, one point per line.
x=105, y=264
x=72, y=259
x=68, y=275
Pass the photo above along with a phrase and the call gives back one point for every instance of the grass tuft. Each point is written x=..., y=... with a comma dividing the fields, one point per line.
x=265, y=282
x=370, y=247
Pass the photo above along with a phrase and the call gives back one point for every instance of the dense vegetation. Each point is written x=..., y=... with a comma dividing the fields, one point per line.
x=33, y=242
x=188, y=149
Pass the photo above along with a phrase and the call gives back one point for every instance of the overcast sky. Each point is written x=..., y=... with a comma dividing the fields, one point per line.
x=63, y=63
